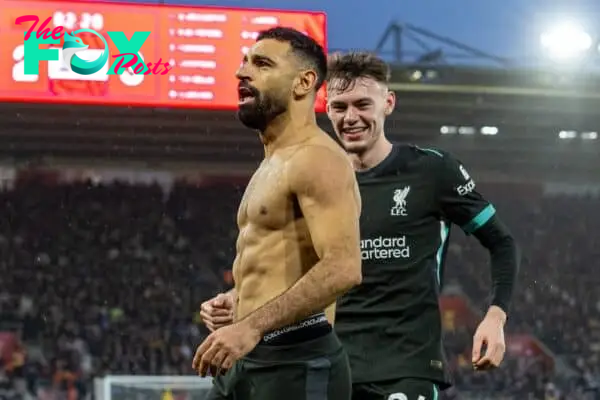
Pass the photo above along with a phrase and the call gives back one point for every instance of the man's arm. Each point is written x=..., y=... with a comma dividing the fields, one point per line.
x=465, y=206
x=462, y=204
x=325, y=186
x=504, y=262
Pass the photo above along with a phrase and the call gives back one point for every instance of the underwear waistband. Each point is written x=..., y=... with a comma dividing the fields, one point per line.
x=308, y=329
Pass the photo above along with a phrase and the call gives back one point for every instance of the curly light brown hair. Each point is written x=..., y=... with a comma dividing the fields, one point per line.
x=344, y=69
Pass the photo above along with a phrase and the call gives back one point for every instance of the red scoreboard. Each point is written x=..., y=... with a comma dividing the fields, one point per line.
x=204, y=46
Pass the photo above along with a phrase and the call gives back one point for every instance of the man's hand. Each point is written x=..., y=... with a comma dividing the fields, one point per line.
x=218, y=311
x=222, y=348
x=490, y=333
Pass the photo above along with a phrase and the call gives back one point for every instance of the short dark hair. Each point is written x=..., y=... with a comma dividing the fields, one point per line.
x=303, y=46
x=347, y=68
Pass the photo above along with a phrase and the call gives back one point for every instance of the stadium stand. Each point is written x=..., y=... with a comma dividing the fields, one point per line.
x=106, y=277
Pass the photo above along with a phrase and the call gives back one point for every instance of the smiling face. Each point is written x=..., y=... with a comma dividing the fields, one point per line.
x=358, y=111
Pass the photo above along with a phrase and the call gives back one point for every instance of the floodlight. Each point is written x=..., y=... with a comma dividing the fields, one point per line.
x=566, y=42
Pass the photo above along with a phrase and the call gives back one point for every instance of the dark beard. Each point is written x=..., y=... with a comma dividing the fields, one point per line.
x=258, y=114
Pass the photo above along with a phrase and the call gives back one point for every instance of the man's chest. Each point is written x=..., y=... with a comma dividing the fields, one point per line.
x=397, y=204
x=267, y=200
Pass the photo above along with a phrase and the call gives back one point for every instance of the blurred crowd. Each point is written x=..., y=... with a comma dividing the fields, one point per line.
x=108, y=278
x=556, y=300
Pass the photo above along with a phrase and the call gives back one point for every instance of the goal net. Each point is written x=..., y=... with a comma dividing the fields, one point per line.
x=137, y=387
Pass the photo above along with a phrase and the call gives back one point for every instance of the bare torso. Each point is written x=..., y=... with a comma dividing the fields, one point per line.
x=274, y=247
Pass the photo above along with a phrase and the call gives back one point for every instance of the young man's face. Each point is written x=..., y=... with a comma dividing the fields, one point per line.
x=358, y=113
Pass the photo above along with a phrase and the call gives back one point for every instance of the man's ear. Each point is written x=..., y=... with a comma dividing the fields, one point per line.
x=305, y=83
x=390, y=102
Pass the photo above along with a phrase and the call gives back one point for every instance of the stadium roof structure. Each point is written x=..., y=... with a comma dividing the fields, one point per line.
x=404, y=43
x=418, y=55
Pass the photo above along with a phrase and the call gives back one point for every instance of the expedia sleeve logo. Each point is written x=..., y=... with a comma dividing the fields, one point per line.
x=468, y=187
x=464, y=173
x=465, y=189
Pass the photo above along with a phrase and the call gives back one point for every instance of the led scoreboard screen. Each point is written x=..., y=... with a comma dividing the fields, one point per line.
x=204, y=47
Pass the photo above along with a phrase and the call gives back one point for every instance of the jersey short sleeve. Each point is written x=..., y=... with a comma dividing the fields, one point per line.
x=459, y=200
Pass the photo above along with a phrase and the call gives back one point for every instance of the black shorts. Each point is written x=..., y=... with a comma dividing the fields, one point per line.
x=401, y=389
x=309, y=369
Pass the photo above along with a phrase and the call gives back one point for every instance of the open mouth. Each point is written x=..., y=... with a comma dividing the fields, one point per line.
x=245, y=95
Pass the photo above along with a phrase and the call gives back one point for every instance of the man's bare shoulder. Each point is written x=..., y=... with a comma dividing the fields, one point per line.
x=321, y=153
x=320, y=162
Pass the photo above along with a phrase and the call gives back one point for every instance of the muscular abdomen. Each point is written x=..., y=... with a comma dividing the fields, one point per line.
x=270, y=262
